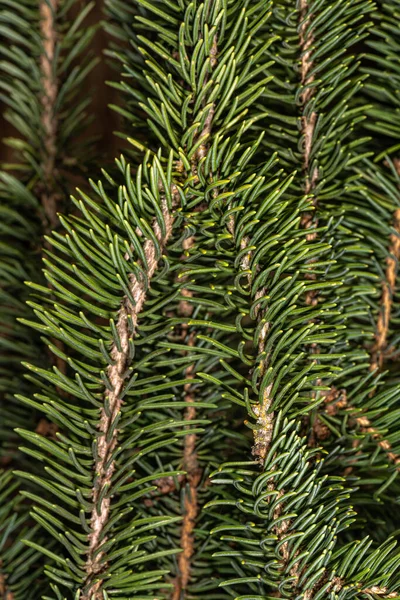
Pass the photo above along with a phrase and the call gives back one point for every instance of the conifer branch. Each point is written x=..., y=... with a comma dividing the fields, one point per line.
x=105, y=465
x=190, y=461
x=48, y=194
x=163, y=369
x=377, y=354
x=265, y=420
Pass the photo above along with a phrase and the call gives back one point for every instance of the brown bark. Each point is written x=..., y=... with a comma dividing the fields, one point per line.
x=378, y=350
x=308, y=122
x=116, y=374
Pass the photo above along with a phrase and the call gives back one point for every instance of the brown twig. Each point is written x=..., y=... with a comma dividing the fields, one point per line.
x=367, y=428
x=380, y=591
x=309, y=220
x=388, y=289
x=308, y=121
x=335, y=400
x=104, y=468
x=48, y=193
x=190, y=461
x=46, y=189
x=193, y=477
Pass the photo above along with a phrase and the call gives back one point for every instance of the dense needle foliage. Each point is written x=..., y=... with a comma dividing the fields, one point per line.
x=208, y=405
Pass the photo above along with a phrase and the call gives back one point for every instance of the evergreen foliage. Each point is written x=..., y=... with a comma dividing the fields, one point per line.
x=44, y=59
x=220, y=308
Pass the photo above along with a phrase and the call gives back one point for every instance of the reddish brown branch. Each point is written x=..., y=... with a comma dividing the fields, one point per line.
x=190, y=461
x=388, y=289
x=367, y=428
x=193, y=477
x=378, y=351
x=48, y=194
x=335, y=401
x=104, y=469
x=46, y=188
x=309, y=220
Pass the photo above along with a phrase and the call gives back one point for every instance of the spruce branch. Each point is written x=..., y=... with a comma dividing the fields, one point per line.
x=373, y=413
x=193, y=476
x=295, y=570
x=190, y=462
x=265, y=418
x=382, y=328
x=48, y=189
x=126, y=327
